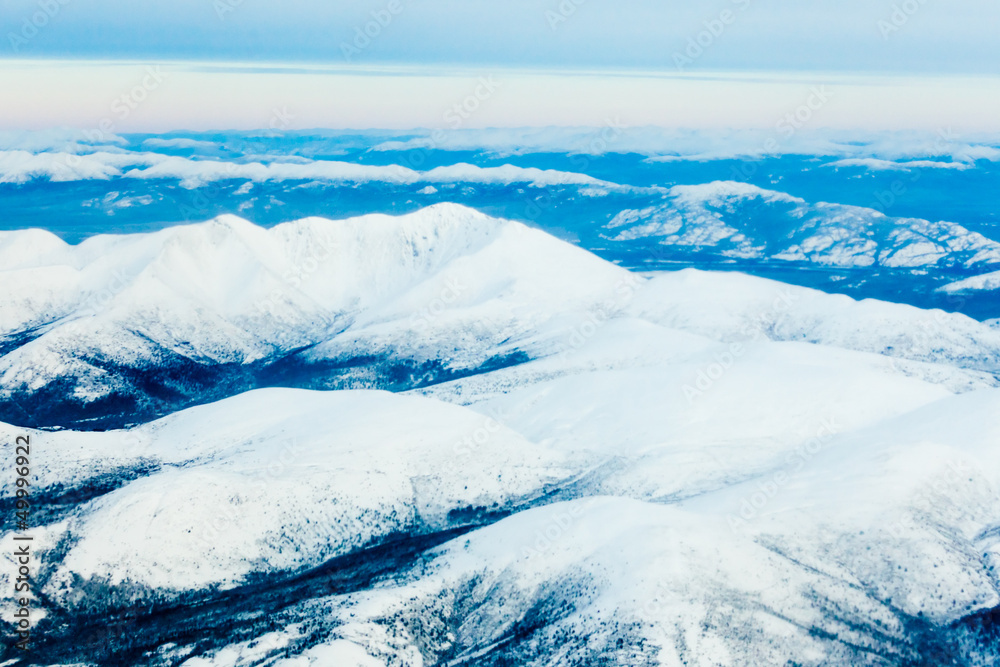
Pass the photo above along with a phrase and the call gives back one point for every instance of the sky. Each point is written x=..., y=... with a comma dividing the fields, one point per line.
x=403, y=63
x=838, y=35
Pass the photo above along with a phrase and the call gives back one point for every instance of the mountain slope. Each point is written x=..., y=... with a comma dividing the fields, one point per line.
x=147, y=323
x=983, y=283
x=587, y=465
x=122, y=329
x=742, y=221
x=873, y=545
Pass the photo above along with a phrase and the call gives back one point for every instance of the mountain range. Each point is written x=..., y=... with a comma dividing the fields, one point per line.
x=446, y=438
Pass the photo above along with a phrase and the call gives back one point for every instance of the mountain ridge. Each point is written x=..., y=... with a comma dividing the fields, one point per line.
x=144, y=324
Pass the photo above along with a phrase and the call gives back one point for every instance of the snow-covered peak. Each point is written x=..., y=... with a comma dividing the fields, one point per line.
x=142, y=324
x=719, y=193
x=341, y=265
x=742, y=221
x=229, y=294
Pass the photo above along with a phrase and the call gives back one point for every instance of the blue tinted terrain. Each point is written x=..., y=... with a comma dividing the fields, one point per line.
x=554, y=409
x=858, y=218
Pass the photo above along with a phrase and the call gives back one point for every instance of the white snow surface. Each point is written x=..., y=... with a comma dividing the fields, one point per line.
x=444, y=283
x=987, y=282
x=277, y=480
x=829, y=558
x=748, y=472
x=745, y=221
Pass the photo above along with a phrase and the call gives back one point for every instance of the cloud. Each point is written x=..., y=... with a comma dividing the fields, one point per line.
x=877, y=150
x=179, y=142
x=75, y=161
x=22, y=166
x=875, y=164
x=64, y=139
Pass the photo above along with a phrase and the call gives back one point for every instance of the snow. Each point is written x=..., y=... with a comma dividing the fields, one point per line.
x=552, y=419
x=983, y=283
x=643, y=583
x=227, y=291
x=278, y=480
x=746, y=221
x=719, y=193
x=443, y=283
x=339, y=652
x=857, y=542
x=735, y=308
x=686, y=468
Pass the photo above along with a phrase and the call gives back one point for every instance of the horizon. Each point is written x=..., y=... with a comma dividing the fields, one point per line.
x=141, y=97
x=390, y=64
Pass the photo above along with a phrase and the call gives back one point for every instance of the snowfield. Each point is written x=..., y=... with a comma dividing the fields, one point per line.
x=449, y=439
x=747, y=222
x=122, y=329
x=986, y=282
x=292, y=477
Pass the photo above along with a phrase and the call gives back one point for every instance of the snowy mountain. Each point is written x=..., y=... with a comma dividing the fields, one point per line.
x=121, y=329
x=576, y=464
x=986, y=282
x=310, y=478
x=746, y=222
x=853, y=524
x=137, y=324
x=889, y=216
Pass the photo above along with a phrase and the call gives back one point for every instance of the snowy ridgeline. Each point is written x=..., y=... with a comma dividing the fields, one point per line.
x=729, y=220
x=742, y=221
x=121, y=329
x=894, y=216
x=578, y=464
